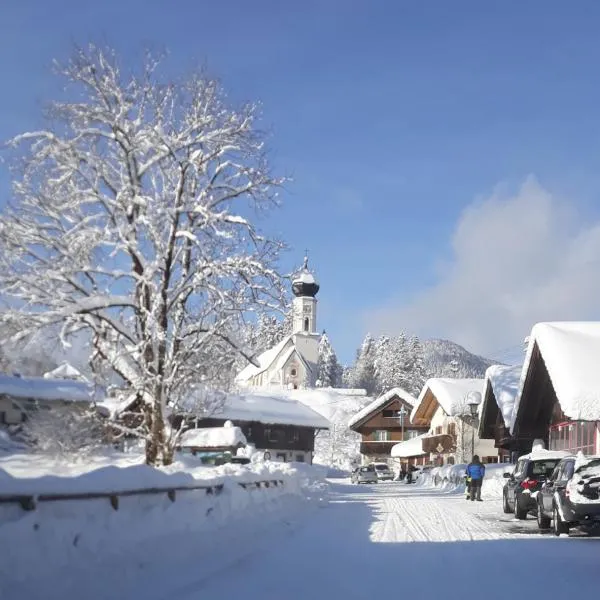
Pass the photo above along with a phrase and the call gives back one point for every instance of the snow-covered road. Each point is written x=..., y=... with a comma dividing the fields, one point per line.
x=396, y=539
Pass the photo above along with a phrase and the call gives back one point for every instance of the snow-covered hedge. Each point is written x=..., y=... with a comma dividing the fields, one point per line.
x=65, y=540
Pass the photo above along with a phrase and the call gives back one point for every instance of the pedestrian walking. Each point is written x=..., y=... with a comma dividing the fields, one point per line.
x=476, y=473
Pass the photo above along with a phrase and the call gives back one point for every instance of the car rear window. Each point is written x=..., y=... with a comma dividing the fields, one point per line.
x=542, y=468
x=366, y=469
x=382, y=467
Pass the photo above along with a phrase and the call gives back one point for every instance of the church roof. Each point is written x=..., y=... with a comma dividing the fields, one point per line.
x=265, y=360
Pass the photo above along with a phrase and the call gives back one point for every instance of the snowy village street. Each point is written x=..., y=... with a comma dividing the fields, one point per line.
x=396, y=539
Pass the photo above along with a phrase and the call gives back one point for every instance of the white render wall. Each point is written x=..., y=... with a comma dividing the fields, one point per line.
x=303, y=308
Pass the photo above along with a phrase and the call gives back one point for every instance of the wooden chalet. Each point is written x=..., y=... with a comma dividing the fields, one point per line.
x=380, y=425
x=559, y=398
x=284, y=429
x=500, y=386
x=451, y=435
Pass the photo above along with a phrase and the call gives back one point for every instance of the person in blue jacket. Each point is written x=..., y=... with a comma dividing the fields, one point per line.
x=476, y=471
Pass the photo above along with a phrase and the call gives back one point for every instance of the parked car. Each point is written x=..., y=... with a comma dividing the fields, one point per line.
x=366, y=474
x=570, y=497
x=383, y=471
x=530, y=473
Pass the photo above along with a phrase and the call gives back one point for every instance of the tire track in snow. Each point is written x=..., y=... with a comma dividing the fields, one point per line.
x=410, y=518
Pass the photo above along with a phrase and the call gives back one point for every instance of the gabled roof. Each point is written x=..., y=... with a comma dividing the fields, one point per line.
x=265, y=360
x=40, y=388
x=570, y=353
x=378, y=404
x=449, y=394
x=501, y=384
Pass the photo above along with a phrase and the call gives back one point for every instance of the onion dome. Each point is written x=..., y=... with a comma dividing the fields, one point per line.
x=305, y=284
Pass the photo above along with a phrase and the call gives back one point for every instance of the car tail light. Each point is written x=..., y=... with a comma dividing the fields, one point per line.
x=528, y=484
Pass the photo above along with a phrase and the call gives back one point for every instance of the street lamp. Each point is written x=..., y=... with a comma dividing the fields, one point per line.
x=473, y=401
x=402, y=413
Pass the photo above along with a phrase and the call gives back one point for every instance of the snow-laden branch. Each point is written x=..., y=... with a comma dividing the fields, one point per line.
x=127, y=223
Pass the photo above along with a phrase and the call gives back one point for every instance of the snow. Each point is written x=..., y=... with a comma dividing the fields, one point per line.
x=267, y=408
x=408, y=448
x=305, y=276
x=450, y=394
x=382, y=401
x=75, y=544
x=504, y=381
x=213, y=437
x=265, y=360
x=542, y=454
x=571, y=353
x=40, y=388
x=585, y=469
x=263, y=543
x=65, y=371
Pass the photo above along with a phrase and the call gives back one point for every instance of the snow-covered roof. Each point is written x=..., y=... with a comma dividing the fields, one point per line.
x=228, y=436
x=65, y=371
x=409, y=448
x=380, y=402
x=265, y=360
x=40, y=388
x=571, y=353
x=504, y=381
x=270, y=410
x=449, y=393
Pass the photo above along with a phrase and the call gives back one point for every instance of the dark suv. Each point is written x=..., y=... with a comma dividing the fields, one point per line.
x=530, y=473
x=570, y=497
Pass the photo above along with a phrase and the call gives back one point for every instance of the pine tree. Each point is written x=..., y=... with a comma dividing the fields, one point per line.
x=415, y=368
x=363, y=372
x=328, y=367
x=392, y=364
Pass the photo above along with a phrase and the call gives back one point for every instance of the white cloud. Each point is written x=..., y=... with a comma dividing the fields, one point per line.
x=516, y=259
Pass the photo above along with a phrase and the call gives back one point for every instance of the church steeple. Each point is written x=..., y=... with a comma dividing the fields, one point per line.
x=304, y=306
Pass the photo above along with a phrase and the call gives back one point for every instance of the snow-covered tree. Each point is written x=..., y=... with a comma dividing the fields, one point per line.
x=363, y=372
x=128, y=224
x=415, y=366
x=328, y=367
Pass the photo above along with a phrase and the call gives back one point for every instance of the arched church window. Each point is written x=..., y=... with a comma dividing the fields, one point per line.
x=306, y=324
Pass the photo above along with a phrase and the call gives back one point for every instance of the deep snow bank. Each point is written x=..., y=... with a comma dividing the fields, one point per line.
x=61, y=547
x=450, y=478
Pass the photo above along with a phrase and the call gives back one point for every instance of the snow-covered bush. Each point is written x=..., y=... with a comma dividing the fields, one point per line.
x=64, y=431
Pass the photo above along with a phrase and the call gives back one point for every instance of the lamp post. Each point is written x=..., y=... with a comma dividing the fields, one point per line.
x=401, y=414
x=473, y=401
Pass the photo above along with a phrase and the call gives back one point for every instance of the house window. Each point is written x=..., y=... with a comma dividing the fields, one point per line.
x=438, y=430
x=411, y=434
x=2, y=417
x=382, y=435
x=390, y=414
x=281, y=457
x=452, y=428
x=293, y=372
x=299, y=457
x=305, y=323
x=573, y=436
x=271, y=434
x=294, y=435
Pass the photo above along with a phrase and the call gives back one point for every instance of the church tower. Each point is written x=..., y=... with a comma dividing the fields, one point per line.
x=304, y=305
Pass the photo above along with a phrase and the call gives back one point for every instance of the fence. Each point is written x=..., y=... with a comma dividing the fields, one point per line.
x=29, y=502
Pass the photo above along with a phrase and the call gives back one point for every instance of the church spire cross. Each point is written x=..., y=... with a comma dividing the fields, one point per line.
x=305, y=265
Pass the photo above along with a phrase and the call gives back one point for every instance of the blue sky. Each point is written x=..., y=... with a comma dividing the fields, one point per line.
x=411, y=130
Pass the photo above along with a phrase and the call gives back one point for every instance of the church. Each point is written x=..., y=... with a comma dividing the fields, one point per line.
x=292, y=363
